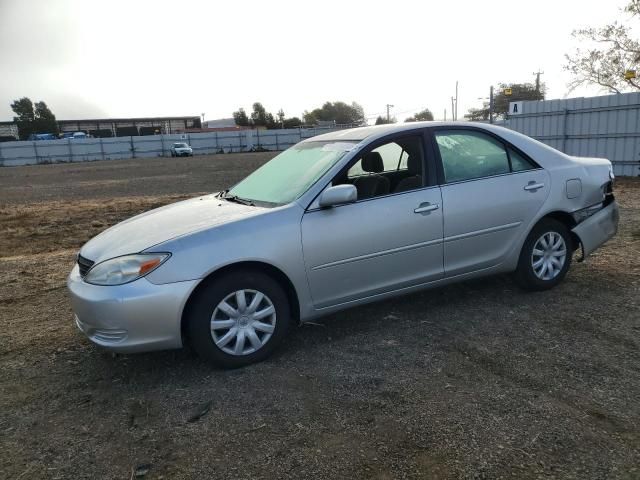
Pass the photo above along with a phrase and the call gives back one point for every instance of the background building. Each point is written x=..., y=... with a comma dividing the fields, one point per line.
x=123, y=127
x=8, y=131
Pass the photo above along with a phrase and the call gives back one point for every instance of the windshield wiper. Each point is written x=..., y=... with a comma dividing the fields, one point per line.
x=237, y=199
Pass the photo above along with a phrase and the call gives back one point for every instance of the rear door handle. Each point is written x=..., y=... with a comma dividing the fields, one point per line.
x=426, y=207
x=533, y=186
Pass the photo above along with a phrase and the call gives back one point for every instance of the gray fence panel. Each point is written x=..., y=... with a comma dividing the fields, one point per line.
x=605, y=126
x=80, y=150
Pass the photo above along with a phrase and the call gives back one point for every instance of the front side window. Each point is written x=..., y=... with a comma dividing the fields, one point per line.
x=288, y=175
x=391, y=154
x=392, y=167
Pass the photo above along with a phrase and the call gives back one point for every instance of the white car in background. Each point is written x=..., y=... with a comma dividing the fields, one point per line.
x=181, y=149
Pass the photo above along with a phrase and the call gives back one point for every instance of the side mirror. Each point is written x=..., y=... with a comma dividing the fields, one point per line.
x=338, y=195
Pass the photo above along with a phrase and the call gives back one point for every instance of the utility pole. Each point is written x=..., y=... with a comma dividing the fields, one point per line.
x=453, y=109
x=455, y=116
x=491, y=104
x=537, y=74
x=445, y=114
x=388, y=116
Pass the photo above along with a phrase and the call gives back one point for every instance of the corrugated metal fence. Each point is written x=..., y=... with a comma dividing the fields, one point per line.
x=607, y=126
x=80, y=150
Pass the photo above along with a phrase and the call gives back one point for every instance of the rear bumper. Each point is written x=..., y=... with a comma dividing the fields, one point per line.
x=598, y=228
x=136, y=317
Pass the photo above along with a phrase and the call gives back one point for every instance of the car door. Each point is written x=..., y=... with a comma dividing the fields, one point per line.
x=378, y=244
x=491, y=192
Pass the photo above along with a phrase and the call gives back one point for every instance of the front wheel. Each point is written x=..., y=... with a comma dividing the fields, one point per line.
x=239, y=319
x=545, y=257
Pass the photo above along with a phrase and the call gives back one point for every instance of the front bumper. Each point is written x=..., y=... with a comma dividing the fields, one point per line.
x=136, y=317
x=598, y=228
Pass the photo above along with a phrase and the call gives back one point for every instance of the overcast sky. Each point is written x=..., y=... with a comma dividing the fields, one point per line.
x=122, y=58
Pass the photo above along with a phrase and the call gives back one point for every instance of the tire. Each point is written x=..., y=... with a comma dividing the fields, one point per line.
x=540, y=271
x=206, y=310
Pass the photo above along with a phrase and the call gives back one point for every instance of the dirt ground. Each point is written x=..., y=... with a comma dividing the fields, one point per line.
x=476, y=381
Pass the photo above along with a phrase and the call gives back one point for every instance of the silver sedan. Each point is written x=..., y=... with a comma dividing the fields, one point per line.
x=339, y=220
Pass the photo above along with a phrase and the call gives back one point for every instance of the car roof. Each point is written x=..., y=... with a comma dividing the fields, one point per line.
x=362, y=133
x=545, y=155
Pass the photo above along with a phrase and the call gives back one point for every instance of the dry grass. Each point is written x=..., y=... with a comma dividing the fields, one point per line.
x=476, y=380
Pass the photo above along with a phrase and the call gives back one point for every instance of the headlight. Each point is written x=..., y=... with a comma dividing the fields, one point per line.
x=128, y=268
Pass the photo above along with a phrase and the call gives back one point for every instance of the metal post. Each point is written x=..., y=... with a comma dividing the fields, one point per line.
x=35, y=149
x=564, y=131
x=70, y=150
x=102, y=148
x=491, y=104
x=456, y=111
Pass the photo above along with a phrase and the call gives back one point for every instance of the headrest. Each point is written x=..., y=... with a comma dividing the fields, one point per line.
x=372, y=162
x=413, y=164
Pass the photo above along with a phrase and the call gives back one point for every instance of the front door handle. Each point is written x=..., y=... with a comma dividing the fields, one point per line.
x=533, y=186
x=426, y=207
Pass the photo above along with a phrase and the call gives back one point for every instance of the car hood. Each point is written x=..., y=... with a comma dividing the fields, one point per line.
x=156, y=226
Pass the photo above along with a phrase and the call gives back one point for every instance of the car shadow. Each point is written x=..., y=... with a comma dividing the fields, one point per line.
x=432, y=310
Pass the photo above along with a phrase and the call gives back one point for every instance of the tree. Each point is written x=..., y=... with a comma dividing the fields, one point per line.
x=611, y=51
x=383, y=120
x=259, y=115
x=240, y=117
x=519, y=92
x=424, y=115
x=292, y=122
x=338, y=112
x=30, y=120
x=261, y=118
x=45, y=120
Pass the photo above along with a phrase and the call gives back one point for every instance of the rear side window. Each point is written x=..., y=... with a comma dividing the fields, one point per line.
x=518, y=162
x=467, y=155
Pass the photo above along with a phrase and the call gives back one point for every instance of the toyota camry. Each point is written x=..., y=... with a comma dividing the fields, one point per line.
x=338, y=220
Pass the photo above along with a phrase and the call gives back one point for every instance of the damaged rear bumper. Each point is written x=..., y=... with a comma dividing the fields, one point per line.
x=598, y=228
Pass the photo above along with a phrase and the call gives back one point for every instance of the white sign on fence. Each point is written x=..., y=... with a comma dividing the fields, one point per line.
x=515, y=108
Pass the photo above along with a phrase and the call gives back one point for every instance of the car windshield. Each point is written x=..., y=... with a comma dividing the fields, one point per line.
x=180, y=145
x=291, y=173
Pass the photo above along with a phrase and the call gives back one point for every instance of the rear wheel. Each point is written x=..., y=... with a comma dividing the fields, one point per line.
x=239, y=319
x=545, y=257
